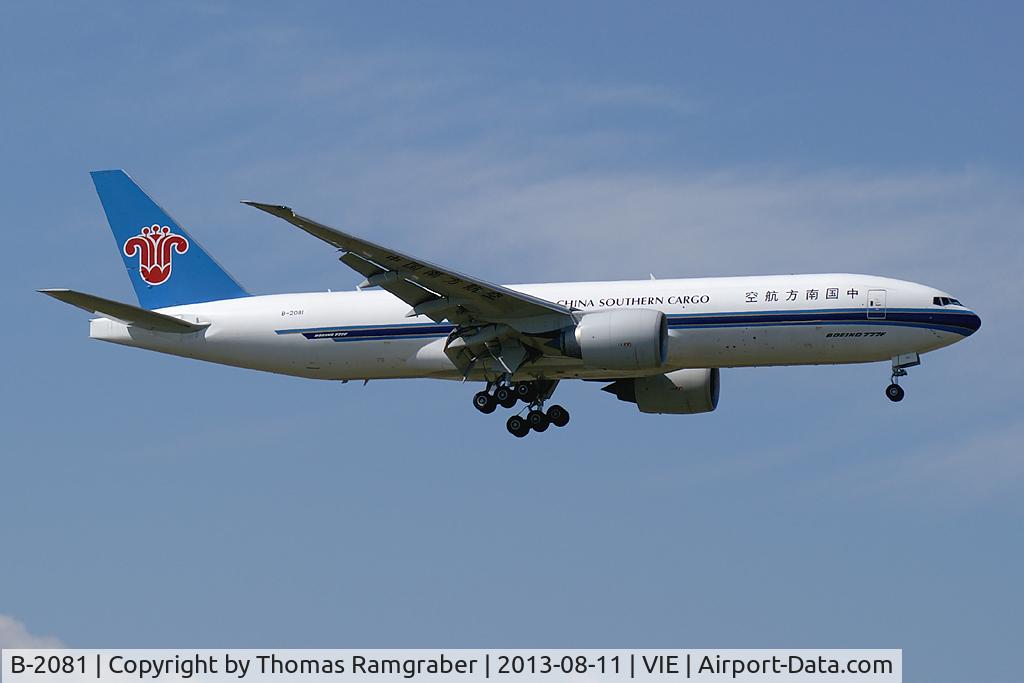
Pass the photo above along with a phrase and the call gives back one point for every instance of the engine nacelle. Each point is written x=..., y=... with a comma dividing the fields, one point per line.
x=683, y=392
x=620, y=339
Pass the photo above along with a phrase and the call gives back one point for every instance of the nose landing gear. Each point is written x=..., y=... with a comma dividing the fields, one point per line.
x=894, y=392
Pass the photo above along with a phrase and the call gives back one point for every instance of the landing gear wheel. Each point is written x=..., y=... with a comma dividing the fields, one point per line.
x=484, y=402
x=505, y=396
x=525, y=392
x=894, y=392
x=537, y=420
x=517, y=426
x=558, y=416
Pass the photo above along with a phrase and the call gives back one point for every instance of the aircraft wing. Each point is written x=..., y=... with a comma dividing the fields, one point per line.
x=431, y=290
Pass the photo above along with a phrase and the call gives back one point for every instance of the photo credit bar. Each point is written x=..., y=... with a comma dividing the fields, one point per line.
x=466, y=666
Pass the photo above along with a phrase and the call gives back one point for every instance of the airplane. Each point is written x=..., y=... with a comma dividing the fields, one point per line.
x=657, y=343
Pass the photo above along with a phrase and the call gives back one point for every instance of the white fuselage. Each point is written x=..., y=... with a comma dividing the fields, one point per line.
x=713, y=323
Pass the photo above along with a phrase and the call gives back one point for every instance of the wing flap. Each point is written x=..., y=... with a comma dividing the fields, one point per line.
x=407, y=291
x=133, y=315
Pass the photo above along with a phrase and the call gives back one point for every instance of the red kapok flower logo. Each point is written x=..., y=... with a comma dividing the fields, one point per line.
x=154, y=245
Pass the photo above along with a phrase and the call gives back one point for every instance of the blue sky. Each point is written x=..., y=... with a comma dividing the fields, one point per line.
x=150, y=501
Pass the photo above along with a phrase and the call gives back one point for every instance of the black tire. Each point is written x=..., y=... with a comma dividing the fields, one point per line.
x=517, y=426
x=537, y=420
x=526, y=392
x=505, y=397
x=894, y=392
x=484, y=402
x=558, y=416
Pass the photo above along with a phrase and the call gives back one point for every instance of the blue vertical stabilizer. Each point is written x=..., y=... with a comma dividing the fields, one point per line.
x=166, y=265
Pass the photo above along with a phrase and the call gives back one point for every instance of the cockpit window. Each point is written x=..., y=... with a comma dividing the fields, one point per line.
x=945, y=301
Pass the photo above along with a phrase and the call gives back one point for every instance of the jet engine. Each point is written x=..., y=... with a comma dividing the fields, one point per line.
x=682, y=392
x=620, y=339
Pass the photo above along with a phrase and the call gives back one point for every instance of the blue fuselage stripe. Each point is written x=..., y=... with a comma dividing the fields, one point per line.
x=957, y=322
x=952, y=321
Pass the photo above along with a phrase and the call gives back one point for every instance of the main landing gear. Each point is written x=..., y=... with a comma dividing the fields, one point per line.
x=537, y=420
x=534, y=394
x=894, y=392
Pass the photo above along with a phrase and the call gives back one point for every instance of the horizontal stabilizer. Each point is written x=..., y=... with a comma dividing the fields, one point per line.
x=133, y=315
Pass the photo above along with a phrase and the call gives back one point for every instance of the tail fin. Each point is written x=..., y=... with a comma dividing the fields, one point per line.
x=166, y=265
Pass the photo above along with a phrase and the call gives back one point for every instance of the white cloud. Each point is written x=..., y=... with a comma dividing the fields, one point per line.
x=14, y=634
x=539, y=180
x=948, y=229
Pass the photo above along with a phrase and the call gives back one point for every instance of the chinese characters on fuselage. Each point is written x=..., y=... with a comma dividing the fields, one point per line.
x=770, y=295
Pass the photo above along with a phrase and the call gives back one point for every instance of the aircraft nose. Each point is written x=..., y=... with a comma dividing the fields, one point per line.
x=972, y=322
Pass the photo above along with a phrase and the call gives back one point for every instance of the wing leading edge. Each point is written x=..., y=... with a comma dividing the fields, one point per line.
x=432, y=290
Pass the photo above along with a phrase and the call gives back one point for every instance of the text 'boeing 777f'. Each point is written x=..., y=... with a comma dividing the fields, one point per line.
x=658, y=343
